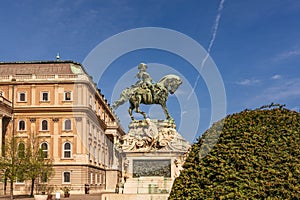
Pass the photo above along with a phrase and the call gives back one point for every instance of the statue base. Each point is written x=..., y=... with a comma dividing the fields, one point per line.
x=153, y=153
x=153, y=135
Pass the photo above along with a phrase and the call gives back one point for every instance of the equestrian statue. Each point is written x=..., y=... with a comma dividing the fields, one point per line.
x=145, y=91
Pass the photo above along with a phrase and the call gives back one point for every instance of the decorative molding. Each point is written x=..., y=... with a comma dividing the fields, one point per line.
x=78, y=119
x=44, y=135
x=55, y=119
x=63, y=136
x=21, y=136
x=32, y=120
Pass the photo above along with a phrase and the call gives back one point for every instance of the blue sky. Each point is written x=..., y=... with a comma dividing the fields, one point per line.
x=256, y=48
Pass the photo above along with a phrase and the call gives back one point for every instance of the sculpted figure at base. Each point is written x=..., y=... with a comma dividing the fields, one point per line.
x=153, y=135
x=147, y=92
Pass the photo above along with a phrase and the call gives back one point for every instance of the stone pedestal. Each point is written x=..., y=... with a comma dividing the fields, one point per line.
x=153, y=153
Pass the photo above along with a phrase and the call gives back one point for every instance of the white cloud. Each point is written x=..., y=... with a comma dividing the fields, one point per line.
x=286, y=55
x=283, y=91
x=248, y=82
x=276, y=77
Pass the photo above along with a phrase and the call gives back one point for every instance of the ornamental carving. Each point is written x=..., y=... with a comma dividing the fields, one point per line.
x=153, y=135
x=55, y=119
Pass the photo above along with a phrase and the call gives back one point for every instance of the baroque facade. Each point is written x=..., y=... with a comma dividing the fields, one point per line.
x=58, y=104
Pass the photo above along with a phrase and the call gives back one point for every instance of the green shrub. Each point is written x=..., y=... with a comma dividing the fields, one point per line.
x=257, y=156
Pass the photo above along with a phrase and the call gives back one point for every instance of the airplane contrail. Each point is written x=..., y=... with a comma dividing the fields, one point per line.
x=215, y=29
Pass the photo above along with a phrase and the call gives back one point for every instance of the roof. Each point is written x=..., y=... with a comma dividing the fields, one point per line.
x=39, y=67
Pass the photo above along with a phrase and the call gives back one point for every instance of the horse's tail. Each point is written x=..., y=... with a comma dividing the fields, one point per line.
x=124, y=96
x=116, y=104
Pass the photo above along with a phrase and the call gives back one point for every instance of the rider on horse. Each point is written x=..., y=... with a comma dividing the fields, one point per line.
x=145, y=82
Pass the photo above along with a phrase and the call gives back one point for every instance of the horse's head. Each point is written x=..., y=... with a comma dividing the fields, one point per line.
x=171, y=82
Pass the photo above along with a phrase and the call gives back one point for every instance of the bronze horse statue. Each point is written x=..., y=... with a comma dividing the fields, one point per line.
x=146, y=93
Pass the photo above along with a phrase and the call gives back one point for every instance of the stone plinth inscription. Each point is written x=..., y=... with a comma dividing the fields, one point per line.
x=151, y=168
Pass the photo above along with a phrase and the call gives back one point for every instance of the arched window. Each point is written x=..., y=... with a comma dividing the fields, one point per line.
x=21, y=150
x=67, y=124
x=44, y=147
x=67, y=177
x=44, y=125
x=22, y=125
x=67, y=150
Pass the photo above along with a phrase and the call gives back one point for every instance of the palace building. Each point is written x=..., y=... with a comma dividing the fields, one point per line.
x=58, y=104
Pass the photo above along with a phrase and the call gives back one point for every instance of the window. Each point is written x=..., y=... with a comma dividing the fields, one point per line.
x=67, y=124
x=102, y=178
x=21, y=125
x=95, y=133
x=90, y=129
x=45, y=96
x=20, y=178
x=90, y=100
x=44, y=125
x=68, y=96
x=21, y=150
x=67, y=177
x=22, y=96
x=90, y=148
x=98, y=156
x=44, y=147
x=67, y=150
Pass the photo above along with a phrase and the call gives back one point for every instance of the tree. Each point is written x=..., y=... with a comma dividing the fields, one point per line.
x=24, y=160
x=38, y=167
x=11, y=165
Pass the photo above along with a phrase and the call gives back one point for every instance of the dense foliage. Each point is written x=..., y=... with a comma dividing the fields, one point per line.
x=256, y=156
x=24, y=162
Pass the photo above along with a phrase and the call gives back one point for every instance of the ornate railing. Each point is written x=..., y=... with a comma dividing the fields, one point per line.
x=5, y=78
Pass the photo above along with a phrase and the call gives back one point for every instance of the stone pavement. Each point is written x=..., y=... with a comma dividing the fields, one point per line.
x=72, y=197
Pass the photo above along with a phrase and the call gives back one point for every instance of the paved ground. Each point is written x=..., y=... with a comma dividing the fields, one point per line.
x=72, y=197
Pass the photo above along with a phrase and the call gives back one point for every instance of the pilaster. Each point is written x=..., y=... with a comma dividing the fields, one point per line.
x=33, y=94
x=56, y=94
x=55, y=139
